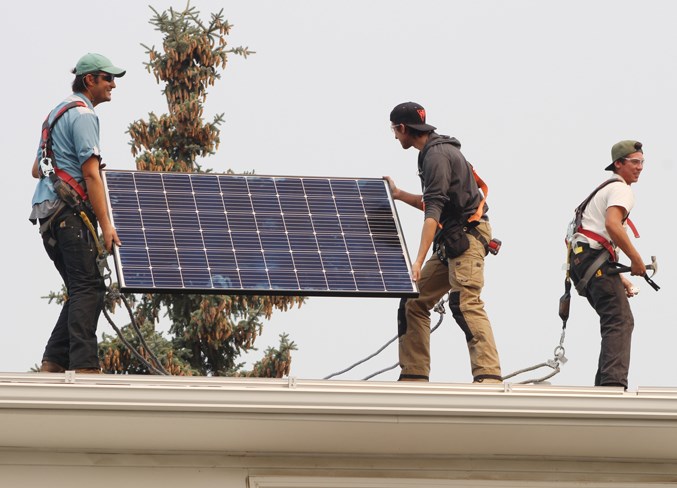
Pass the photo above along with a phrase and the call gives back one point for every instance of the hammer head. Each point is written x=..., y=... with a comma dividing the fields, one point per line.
x=653, y=266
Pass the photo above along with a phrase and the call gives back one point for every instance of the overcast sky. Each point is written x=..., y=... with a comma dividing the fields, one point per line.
x=536, y=91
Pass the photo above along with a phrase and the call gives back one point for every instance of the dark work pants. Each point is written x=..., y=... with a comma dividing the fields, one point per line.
x=607, y=296
x=73, y=342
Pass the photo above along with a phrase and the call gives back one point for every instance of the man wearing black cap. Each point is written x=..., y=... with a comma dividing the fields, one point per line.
x=456, y=222
x=66, y=237
x=594, y=248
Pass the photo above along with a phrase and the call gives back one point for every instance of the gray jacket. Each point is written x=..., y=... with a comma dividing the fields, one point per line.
x=450, y=193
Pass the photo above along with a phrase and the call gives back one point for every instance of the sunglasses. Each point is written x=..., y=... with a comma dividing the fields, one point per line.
x=106, y=76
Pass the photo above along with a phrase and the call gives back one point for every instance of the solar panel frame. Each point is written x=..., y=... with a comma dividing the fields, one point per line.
x=257, y=235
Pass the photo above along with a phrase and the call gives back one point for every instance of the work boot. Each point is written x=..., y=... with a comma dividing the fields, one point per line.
x=88, y=370
x=486, y=381
x=51, y=367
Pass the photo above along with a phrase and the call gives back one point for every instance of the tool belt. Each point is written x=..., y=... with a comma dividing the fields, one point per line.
x=452, y=240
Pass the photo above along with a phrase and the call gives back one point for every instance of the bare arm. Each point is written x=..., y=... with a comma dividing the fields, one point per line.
x=614, y=226
x=415, y=201
x=427, y=237
x=90, y=170
x=34, y=171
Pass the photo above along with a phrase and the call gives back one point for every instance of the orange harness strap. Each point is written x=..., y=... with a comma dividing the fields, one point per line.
x=485, y=192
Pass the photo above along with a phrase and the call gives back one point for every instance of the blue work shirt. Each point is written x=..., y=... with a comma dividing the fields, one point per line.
x=75, y=139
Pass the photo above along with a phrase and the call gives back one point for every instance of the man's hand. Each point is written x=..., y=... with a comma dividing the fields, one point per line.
x=110, y=237
x=416, y=270
x=630, y=290
x=395, y=192
x=415, y=201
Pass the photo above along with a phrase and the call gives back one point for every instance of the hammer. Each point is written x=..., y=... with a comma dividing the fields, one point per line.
x=621, y=268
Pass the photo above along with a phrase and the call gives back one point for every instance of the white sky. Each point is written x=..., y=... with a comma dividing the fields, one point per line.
x=536, y=91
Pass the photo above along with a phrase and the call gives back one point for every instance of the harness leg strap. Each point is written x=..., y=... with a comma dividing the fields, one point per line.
x=589, y=273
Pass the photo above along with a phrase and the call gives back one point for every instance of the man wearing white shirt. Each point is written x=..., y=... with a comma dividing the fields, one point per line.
x=603, y=231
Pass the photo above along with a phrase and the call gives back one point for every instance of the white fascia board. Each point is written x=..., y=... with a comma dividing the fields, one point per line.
x=290, y=396
x=134, y=413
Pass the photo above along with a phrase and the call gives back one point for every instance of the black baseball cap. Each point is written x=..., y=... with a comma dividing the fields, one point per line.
x=412, y=115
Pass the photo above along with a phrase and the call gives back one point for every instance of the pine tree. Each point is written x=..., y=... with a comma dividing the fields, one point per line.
x=208, y=332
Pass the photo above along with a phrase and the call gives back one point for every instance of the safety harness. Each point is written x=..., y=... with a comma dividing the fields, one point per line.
x=470, y=227
x=576, y=227
x=70, y=192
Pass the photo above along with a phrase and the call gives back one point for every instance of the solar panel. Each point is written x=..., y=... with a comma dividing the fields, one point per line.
x=263, y=235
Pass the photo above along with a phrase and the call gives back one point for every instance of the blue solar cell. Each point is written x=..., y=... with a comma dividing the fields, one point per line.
x=185, y=232
x=365, y=262
x=345, y=189
x=155, y=220
x=319, y=205
x=302, y=242
x=244, y=241
x=181, y=202
x=137, y=277
x=307, y=260
x=237, y=203
x=262, y=185
x=255, y=279
x=283, y=280
x=163, y=258
x=250, y=260
x=369, y=281
x=264, y=203
x=205, y=184
x=279, y=260
x=316, y=187
x=294, y=204
x=349, y=206
x=209, y=202
x=192, y=258
x=354, y=224
x=326, y=223
x=158, y=238
x=331, y=243
x=197, y=278
x=125, y=199
x=168, y=278
x=132, y=237
x=217, y=240
x=336, y=262
x=221, y=259
x=185, y=220
x=135, y=257
x=210, y=222
x=312, y=280
x=270, y=223
x=341, y=281
x=274, y=241
x=127, y=218
x=231, y=185
x=177, y=182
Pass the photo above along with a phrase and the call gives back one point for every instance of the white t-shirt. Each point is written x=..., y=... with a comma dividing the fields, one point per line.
x=617, y=194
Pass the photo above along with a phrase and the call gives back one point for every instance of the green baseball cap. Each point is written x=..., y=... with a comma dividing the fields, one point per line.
x=92, y=62
x=622, y=149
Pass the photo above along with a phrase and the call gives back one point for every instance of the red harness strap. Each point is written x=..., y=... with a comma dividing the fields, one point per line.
x=46, y=146
x=605, y=242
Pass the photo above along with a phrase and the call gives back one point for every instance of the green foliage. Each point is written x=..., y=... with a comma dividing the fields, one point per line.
x=208, y=333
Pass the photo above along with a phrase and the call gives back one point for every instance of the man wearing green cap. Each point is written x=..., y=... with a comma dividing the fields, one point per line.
x=74, y=153
x=602, y=232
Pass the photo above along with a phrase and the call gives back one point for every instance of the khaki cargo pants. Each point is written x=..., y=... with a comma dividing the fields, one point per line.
x=464, y=277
